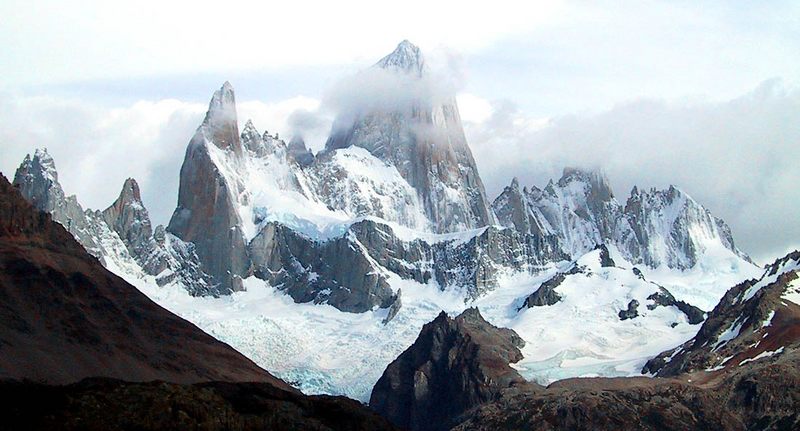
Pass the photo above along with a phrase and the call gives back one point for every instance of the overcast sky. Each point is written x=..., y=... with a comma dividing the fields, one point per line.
x=703, y=95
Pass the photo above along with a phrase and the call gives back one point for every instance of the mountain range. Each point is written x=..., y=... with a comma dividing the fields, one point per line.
x=328, y=268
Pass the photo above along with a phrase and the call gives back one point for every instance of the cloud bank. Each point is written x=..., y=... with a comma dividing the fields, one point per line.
x=738, y=157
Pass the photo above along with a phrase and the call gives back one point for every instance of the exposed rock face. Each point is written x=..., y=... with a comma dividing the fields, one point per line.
x=654, y=228
x=37, y=181
x=425, y=141
x=631, y=311
x=605, y=257
x=128, y=217
x=298, y=151
x=455, y=365
x=755, y=319
x=351, y=271
x=513, y=210
x=65, y=317
x=207, y=200
x=395, y=308
x=226, y=202
x=251, y=205
x=334, y=271
x=546, y=293
x=158, y=253
x=406, y=58
x=741, y=371
x=689, y=232
x=121, y=236
x=760, y=392
x=663, y=298
x=478, y=262
x=253, y=141
x=598, y=267
x=353, y=181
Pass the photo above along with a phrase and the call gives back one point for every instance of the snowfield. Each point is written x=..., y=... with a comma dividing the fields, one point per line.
x=322, y=350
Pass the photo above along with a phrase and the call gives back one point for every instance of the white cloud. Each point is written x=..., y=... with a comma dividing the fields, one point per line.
x=473, y=108
x=285, y=118
x=56, y=41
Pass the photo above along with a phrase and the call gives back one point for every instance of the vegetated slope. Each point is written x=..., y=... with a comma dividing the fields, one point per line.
x=755, y=396
x=63, y=317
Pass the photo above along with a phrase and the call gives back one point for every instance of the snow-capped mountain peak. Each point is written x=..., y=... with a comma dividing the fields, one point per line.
x=45, y=162
x=222, y=102
x=425, y=142
x=406, y=58
x=128, y=216
x=396, y=201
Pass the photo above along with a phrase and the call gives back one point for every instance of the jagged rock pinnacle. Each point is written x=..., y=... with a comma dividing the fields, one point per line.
x=220, y=126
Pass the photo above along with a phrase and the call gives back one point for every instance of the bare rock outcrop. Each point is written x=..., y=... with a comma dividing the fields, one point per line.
x=453, y=366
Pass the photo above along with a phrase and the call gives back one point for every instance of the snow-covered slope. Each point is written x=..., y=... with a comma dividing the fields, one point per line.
x=354, y=181
x=251, y=208
x=324, y=350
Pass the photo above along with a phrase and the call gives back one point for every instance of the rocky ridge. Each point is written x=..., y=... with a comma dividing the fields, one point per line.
x=70, y=329
x=121, y=236
x=599, y=263
x=755, y=320
x=251, y=205
x=653, y=228
x=65, y=317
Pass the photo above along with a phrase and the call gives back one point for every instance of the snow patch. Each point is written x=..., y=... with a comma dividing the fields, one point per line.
x=762, y=355
x=729, y=334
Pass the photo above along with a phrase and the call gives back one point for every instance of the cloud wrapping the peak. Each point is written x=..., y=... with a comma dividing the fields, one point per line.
x=376, y=90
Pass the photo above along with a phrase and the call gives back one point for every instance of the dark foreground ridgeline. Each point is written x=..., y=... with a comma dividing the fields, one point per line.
x=107, y=404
